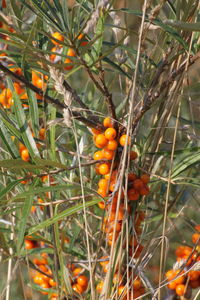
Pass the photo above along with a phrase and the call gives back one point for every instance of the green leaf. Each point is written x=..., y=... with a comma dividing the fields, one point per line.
x=23, y=220
x=8, y=188
x=116, y=67
x=183, y=25
x=6, y=138
x=60, y=216
x=97, y=46
x=187, y=162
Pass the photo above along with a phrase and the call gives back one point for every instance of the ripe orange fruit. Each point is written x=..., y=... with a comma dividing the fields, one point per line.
x=78, y=288
x=145, y=178
x=102, y=192
x=112, y=145
x=68, y=63
x=103, y=184
x=102, y=204
x=42, y=132
x=110, y=134
x=196, y=238
x=133, y=195
x=122, y=290
x=38, y=278
x=45, y=285
x=40, y=261
x=108, y=154
x=194, y=275
x=197, y=228
x=77, y=271
x=117, y=278
x=132, y=176
x=144, y=191
x=194, y=284
x=137, y=284
x=105, y=261
x=112, y=185
x=58, y=36
x=82, y=280
x=180, y=289
x=123, y=140
x=71, y=52
x=172, y=285
x=29, y=244
x=101, y=140
x=138, y=184
x=98, y=155
x=52, y=282
x=133, y=155
x=25, y=155
x=99, y=287
x=107, y=122
x=95, y=131
x=170, y=274
x=104, y=168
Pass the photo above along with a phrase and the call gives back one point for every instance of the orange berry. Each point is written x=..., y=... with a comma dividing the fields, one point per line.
x=180, y=251
x=40, y=261
x=29, y=244
x=102, y=192
x=45, y=285
x=138, y=184
x=194, y=284
x=133, y=155
x=58, y=37
x=111, y=176
x=132, y=176
x=172, y=285
x=95, y=131
x=98, y=155
x=193, y=275
x=97, y=169
x=104, y=168
x=105, y=261
x=108, y=154
x=25, y=155
x=82, y=280
x=122, y=290
x=107, y=122
x=145, y=178
x=78, y=288
x=110, y=134
x=99, y=287
x=180, y=289
x=112, y=145
x=197, y=228
x=52, y=282
x=112, y=185
x=123, y=140
x=137, y=284
x=170, y=274
x=38, y=278
x=68, y=62
x=42, y=132
x=180, y=279
x=77, y=271
x=196, y=238
x=117, y=278
x=101, y=140
x=71, y=52
x=102, y=204
x=133, y=195
x=144, y=191
x=103, y=183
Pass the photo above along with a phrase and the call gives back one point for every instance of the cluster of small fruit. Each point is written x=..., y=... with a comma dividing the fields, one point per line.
x=135, y=289
x=57, y=40
x=186, y=278
x=44, y=277
x=24, y=153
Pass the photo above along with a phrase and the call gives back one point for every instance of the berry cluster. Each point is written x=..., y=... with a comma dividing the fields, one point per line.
x=185, y=278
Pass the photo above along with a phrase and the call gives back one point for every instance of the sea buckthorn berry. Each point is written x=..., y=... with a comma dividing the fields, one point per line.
x=98, y=155
x=110, y=227
x=108, y=154
x=194, y=275
x=42, y=133
x=95, y=131
x=133, y=155
x=111, y=176
x=196, y=238
x=180, y=279
x=180, y=289
x=110, y=134
x=112, y=185
x=117, y=278
x=104, y=168
x=103, y=183
x=138, y=184
x=52, y=282
x=137, y=284
x=99, y=287
x=194, y=284
x=101, y=140
x=144, y=191
x=172, y=285
x=104, y=261
x=38, y=278
x=197, y=228
x=97, y=169
x=123, y=140
x=45, y=285
x=71, y=52
x=102, y=204
x=102, y=192
x=122, y=290
x=29, y=244
x=58, y=37
x=170, y=274
x=68, y=63
x=40, y=261
x=145, y=178
x=107, y=122
x=112, y=145
x=133, y=195
x=132, y=176
x=82, y=280
x=180, y=251
x=77, y=271
x=78, y=288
